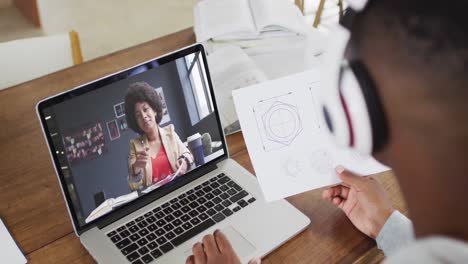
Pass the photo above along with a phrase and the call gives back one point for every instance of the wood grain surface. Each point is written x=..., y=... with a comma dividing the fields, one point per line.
x=33, y=208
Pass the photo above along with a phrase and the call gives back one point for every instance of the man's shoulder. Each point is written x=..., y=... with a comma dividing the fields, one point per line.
x=434, y=249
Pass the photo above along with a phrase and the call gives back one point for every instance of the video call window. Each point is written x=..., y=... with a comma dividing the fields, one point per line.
x=105, y=139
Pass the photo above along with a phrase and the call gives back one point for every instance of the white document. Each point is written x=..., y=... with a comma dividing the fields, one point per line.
x=9, y=251
x=287, y=141
x=231, y=69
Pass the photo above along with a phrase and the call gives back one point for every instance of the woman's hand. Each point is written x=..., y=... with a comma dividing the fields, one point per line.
x=142, y=158
x=181, y=163
x=215, y=249
x=363, y=200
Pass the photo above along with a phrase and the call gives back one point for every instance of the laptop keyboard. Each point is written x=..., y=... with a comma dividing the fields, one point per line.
x=149, y=236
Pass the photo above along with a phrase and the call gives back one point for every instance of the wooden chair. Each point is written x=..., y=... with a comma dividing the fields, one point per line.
x=318, y=13
x=320, y=8
x=27, y=59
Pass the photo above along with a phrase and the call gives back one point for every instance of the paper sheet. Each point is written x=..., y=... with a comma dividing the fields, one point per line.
x=9, y=251
x=287, y=141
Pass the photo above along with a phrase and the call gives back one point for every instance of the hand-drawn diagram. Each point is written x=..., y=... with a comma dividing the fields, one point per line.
x=321, y=161
x=295, y=166
x=318, y=163
x=278, y=121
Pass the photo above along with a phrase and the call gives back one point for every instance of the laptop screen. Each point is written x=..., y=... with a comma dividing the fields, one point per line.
x=141, y=131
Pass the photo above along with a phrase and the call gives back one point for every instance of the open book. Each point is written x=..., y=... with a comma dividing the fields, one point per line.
x=246, y=19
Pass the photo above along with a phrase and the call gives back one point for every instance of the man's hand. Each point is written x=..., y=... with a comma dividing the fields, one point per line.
x=363, y=200
x=215, y=249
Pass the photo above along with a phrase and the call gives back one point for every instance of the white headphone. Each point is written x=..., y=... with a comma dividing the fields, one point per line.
x=350, y=104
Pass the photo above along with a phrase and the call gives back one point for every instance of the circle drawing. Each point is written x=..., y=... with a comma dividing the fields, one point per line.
x=296, y=166
x=282, y=123
x=321, y=161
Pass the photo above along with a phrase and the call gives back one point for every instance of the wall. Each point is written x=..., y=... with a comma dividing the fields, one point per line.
x=108, y=172
x=106, y=26
x=207, y=125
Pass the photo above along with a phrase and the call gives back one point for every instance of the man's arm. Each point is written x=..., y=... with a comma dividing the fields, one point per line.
x=368, y=207
x=396, y=233
x=362, y=199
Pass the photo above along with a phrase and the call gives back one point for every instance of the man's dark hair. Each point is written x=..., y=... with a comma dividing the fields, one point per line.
x=140, y=92
x=433, y=32
x=428, y=39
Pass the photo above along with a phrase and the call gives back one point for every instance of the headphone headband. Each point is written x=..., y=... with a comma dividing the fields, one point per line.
x=350, y=103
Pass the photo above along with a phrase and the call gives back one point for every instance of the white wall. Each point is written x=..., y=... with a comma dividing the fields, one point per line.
x=113, y=25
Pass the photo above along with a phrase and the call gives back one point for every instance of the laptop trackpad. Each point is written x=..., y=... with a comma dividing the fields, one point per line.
x=241, y=246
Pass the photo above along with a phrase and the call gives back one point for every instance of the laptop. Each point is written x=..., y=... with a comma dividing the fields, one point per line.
x=125, y=210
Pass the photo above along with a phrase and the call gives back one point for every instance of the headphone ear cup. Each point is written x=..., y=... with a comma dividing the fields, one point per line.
x=354, y=107
x=335, y=120
x=373, y=105
x=329, y=97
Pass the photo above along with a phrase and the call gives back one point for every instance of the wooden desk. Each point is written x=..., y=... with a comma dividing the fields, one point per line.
x=33, y=208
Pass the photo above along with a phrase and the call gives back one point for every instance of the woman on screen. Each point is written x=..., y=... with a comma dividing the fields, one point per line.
x=158, y=152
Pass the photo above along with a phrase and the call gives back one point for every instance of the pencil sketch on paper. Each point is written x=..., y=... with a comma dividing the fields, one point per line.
x=296, y=168
x=278, y=121
x=318, y=161
x=286, y=136
x=321, y=161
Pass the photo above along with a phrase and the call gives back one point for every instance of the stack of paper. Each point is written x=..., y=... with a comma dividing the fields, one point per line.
x=246, y=19
x=260, y=24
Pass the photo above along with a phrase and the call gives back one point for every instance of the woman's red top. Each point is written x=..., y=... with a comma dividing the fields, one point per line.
x=161, y=166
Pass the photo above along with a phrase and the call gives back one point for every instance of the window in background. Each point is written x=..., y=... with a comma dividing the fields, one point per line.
x=200, y=90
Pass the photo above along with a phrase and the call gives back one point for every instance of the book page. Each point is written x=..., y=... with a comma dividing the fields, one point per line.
x=274, y=15
x=215, y=18
x=287, y=140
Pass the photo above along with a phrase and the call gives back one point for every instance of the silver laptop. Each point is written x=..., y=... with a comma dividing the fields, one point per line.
x=153, y=211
